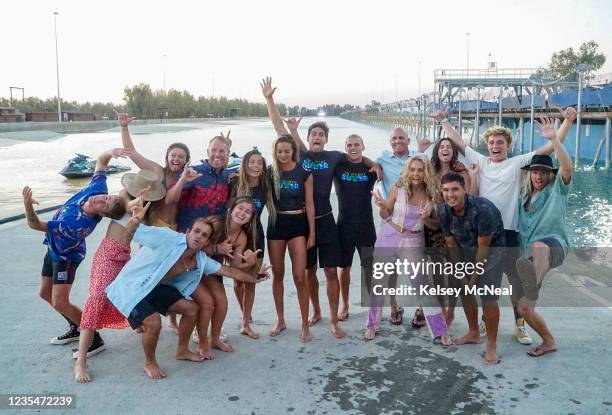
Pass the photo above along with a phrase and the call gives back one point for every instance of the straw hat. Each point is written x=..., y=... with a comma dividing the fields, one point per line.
x=135, y=182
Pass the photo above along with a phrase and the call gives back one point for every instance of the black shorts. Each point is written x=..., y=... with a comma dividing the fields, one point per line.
x=157, y=301
x=287, y=227
x=556, y=255
x=491, y=278
x=62, y=272
x=327, y=244
x=356, y=236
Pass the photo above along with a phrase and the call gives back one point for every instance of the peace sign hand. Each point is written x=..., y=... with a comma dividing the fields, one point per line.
x=139, y=211
x=425, y=210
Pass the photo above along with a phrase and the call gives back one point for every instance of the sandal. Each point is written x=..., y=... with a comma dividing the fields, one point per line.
x=418, y=320
x=397, y=317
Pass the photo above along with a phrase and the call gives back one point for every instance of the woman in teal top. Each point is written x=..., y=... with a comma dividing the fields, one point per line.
x=542, y=213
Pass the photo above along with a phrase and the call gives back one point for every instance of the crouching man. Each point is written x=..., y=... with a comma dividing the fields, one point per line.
x=160, y=279
x=542, y=217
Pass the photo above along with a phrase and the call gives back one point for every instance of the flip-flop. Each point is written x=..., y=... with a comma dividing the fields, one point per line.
x=394, y=317
x=527, y=274
x=533, y=352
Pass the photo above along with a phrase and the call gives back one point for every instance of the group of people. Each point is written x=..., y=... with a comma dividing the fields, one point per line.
x=197, y=224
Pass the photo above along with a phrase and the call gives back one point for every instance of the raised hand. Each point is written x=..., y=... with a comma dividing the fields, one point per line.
x=263, y=274
x=226, y=248
x=439, y=115
x=569, y=113
x=378, y=199
x=123, y=118
x=189, y=174
x=425, y=210
x=293, y=123
x=423, y=144
x=27, y=197
x=266, y=87
x=473, y=169
x=121, y=152
x=546, y=128
x=249, y=256
x=139, y=211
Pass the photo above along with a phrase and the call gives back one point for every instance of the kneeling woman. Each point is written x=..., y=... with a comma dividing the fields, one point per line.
x=252, y=182
x=238, y=231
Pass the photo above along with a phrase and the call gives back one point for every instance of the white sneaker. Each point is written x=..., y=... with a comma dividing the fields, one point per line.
x=194, y=336
x=520, y=332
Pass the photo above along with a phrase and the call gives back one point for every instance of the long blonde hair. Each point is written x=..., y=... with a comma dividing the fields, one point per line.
x=432, y=187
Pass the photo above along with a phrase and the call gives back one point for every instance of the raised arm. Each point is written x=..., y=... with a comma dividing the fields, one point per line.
x=310, y=210
x=142, y=162
x=547, y=130
x=105, y=157
x=293, y=124
x=450, y=131
x=569, y=115
x=173, y=195
x=31, y=216
x=275, y=117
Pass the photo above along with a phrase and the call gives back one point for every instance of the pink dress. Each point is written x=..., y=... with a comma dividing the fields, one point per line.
x=99, y=312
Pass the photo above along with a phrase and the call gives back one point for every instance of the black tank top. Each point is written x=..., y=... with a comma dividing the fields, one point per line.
x=291, y=189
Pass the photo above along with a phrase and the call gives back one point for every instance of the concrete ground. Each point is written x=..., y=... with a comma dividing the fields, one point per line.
x=401, y=371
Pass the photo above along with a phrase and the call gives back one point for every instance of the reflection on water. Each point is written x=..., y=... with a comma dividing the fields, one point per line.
x=37, y=164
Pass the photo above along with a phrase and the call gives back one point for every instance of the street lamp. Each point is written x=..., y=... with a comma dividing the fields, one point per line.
x=467, y=61
x=59, y=100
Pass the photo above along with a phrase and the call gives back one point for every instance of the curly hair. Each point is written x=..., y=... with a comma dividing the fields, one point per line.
x=498, y=130
x=431, y=180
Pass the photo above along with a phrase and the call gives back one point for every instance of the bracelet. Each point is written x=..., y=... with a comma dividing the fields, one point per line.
x=388, y=219
x=124, y=127
x=444, y=120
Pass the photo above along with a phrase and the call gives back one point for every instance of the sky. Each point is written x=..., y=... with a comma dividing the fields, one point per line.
x=318, y=52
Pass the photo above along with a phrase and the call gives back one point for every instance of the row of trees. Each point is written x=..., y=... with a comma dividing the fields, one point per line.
x=143, y=102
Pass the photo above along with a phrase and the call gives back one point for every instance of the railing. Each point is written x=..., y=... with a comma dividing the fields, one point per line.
x=494, y=73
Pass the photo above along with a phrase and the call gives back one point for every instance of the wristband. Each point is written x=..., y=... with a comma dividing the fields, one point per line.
x=444, y=120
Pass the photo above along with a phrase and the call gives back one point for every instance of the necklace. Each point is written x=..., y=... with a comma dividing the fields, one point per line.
x=187, y=269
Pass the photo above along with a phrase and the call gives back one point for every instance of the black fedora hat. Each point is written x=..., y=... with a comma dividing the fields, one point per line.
x=540, y=162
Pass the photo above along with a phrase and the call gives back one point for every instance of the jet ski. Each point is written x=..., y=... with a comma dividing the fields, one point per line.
x=233, y=162
x=82, y=166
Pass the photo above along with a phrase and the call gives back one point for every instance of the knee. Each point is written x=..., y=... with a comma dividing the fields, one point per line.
x=523, y=310
x=45, y=294
x=191, y=310
x=60, y=304
x=220, y=302
x=152, y=323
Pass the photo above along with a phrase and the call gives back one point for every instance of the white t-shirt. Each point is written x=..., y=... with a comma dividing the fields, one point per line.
x=501, y=182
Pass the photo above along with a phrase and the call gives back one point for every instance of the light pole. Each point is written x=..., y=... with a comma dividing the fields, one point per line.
x=59, y=99
x=164, y=69
x=467, y=59
x=419, y=78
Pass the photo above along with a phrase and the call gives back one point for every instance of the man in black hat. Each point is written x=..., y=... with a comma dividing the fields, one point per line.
x=542, y=214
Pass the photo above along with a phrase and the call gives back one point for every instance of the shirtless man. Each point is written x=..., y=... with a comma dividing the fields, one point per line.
x=160, y=279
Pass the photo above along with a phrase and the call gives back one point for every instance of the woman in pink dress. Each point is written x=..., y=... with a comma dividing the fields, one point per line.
x=409, y=208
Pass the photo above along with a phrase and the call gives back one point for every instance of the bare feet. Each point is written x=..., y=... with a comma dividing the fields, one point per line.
x=446, y=340
x=470, y=338
x=189, y=355
x=305, y=336
x=154, y=371
x=247, y=331
x=370, y=334
x=204, y=351
x=542, y=349
x=316, y=317
x=337, y=330
x=80, y=374
x=490, y=358
x=277, y=329
x=173, y=324
x=343, y=314
x=224, y=347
